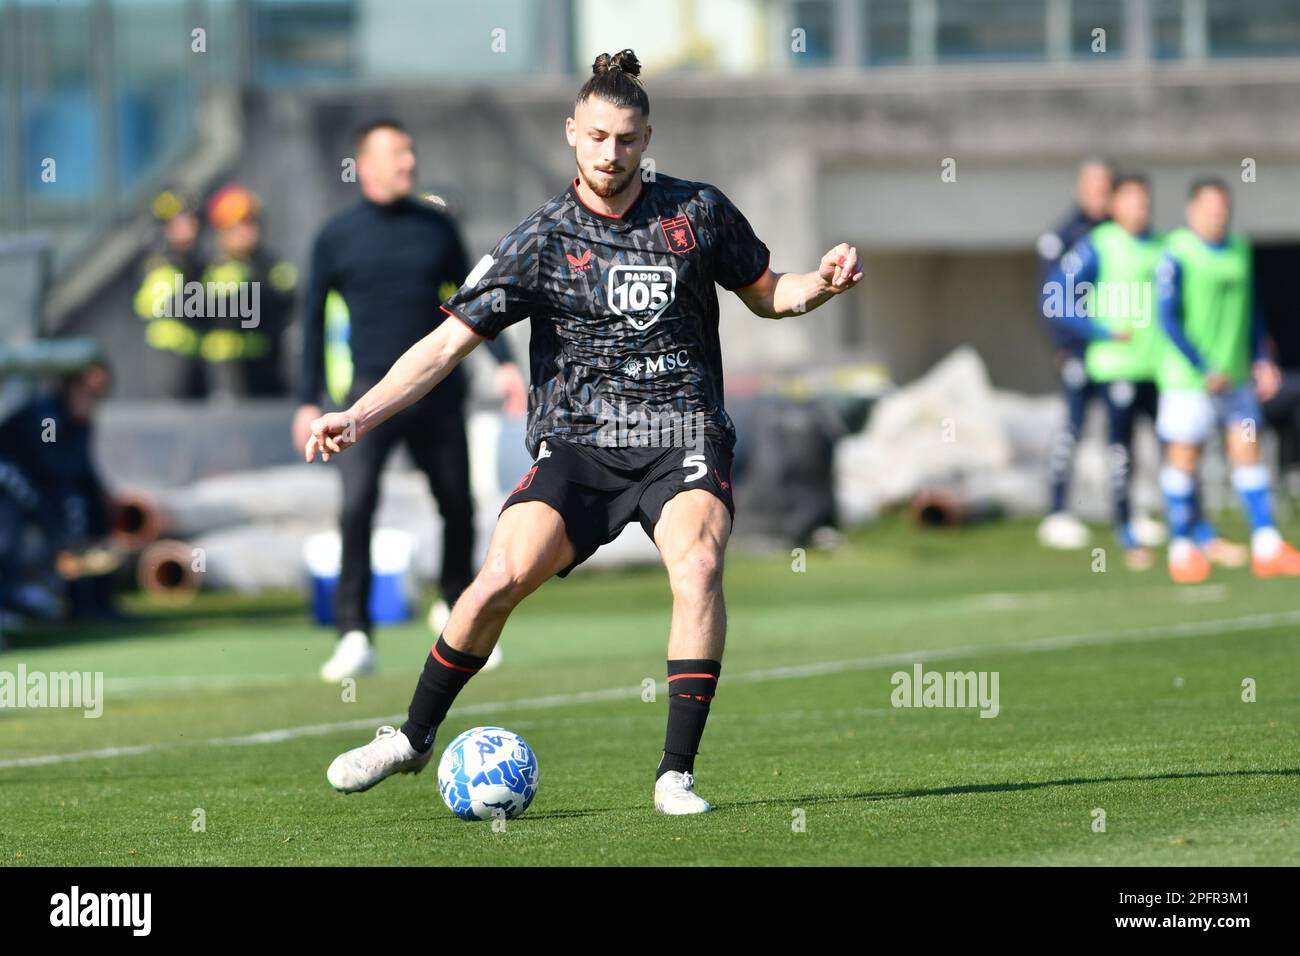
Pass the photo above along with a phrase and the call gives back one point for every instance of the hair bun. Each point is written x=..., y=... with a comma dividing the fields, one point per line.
x=624, y=60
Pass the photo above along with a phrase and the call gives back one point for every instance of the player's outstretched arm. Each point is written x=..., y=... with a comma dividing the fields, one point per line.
x=421, y=367
x=779, y=294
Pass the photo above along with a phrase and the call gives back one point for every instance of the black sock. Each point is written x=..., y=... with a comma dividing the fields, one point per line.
x=446, y=671
x=691, y=686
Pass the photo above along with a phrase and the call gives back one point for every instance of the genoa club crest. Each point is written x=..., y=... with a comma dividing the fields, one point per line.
x=678, y=233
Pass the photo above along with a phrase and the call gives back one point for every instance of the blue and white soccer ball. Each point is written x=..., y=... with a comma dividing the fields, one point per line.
x=486, y=773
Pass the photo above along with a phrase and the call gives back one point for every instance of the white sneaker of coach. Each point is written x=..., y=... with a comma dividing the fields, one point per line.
x=440, y=614
x=362, y=767
x=675, y=794
x=353, y=657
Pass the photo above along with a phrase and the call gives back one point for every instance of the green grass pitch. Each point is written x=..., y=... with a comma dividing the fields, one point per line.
x=1118, y=692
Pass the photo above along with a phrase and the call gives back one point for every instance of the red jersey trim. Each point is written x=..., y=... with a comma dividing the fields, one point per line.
x=465, y=322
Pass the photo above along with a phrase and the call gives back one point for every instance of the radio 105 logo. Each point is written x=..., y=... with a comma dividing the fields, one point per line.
x=641, y=294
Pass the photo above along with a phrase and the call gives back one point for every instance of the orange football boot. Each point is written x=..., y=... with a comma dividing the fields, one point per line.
x=1193, y=567
x=1284, y=562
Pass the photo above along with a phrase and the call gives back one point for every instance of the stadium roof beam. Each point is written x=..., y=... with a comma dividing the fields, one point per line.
x=1137, y=24
x=1195, y=30
x=849, y=44
x=923, y=39
x=1057, y=23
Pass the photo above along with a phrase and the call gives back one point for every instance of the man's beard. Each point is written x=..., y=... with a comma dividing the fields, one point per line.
x=607, y=188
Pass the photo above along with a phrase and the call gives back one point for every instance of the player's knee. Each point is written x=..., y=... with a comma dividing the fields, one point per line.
x=1182, y=456
x=696, y=573
x=501, y=585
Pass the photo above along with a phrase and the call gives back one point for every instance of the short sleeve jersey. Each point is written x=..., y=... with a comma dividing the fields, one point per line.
x=624, y=309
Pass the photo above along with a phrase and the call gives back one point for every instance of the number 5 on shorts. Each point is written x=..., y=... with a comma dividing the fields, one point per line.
x=695, y=461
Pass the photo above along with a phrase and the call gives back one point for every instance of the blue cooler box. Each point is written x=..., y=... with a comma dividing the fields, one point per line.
x=391, y=584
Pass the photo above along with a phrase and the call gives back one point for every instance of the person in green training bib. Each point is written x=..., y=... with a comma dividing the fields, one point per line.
x=1213, y=369
x=1101, y=293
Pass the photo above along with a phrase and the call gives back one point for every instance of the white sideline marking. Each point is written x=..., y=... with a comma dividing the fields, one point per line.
x=83, y=755
x=994, y=602
x=187, y=682
x=1064, y=642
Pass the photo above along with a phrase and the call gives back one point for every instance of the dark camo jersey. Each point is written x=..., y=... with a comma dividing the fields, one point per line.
x=624, y=310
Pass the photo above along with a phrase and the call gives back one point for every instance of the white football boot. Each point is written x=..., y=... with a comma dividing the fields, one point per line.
x=675, y=794
x=362, y=767
x=353, y=657
x=1063, y=531
x=440, y=614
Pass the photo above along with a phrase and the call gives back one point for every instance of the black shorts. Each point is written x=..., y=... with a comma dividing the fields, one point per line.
x=597, y=490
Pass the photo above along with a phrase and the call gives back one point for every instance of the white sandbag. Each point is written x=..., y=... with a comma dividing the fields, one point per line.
x=935, y=430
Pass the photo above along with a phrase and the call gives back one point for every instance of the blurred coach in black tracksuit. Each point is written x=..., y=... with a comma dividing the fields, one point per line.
x=392, y=258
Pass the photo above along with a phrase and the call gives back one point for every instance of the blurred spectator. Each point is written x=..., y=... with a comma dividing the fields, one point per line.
x=19, y=509
x=253, y=294
x=173, y=262
x=51, y=481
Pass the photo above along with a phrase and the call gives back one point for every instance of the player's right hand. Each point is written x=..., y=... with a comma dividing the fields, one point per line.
x=1216, y=382
x=331, y=434
x=302, y=419
x=841, y=269
x=1268, y=379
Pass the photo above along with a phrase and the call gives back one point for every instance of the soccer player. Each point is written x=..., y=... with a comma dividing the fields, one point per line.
x=1092, y=189
x=1115, y=262
x=1213, y=369
x=389, y=256
x=617, y=275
